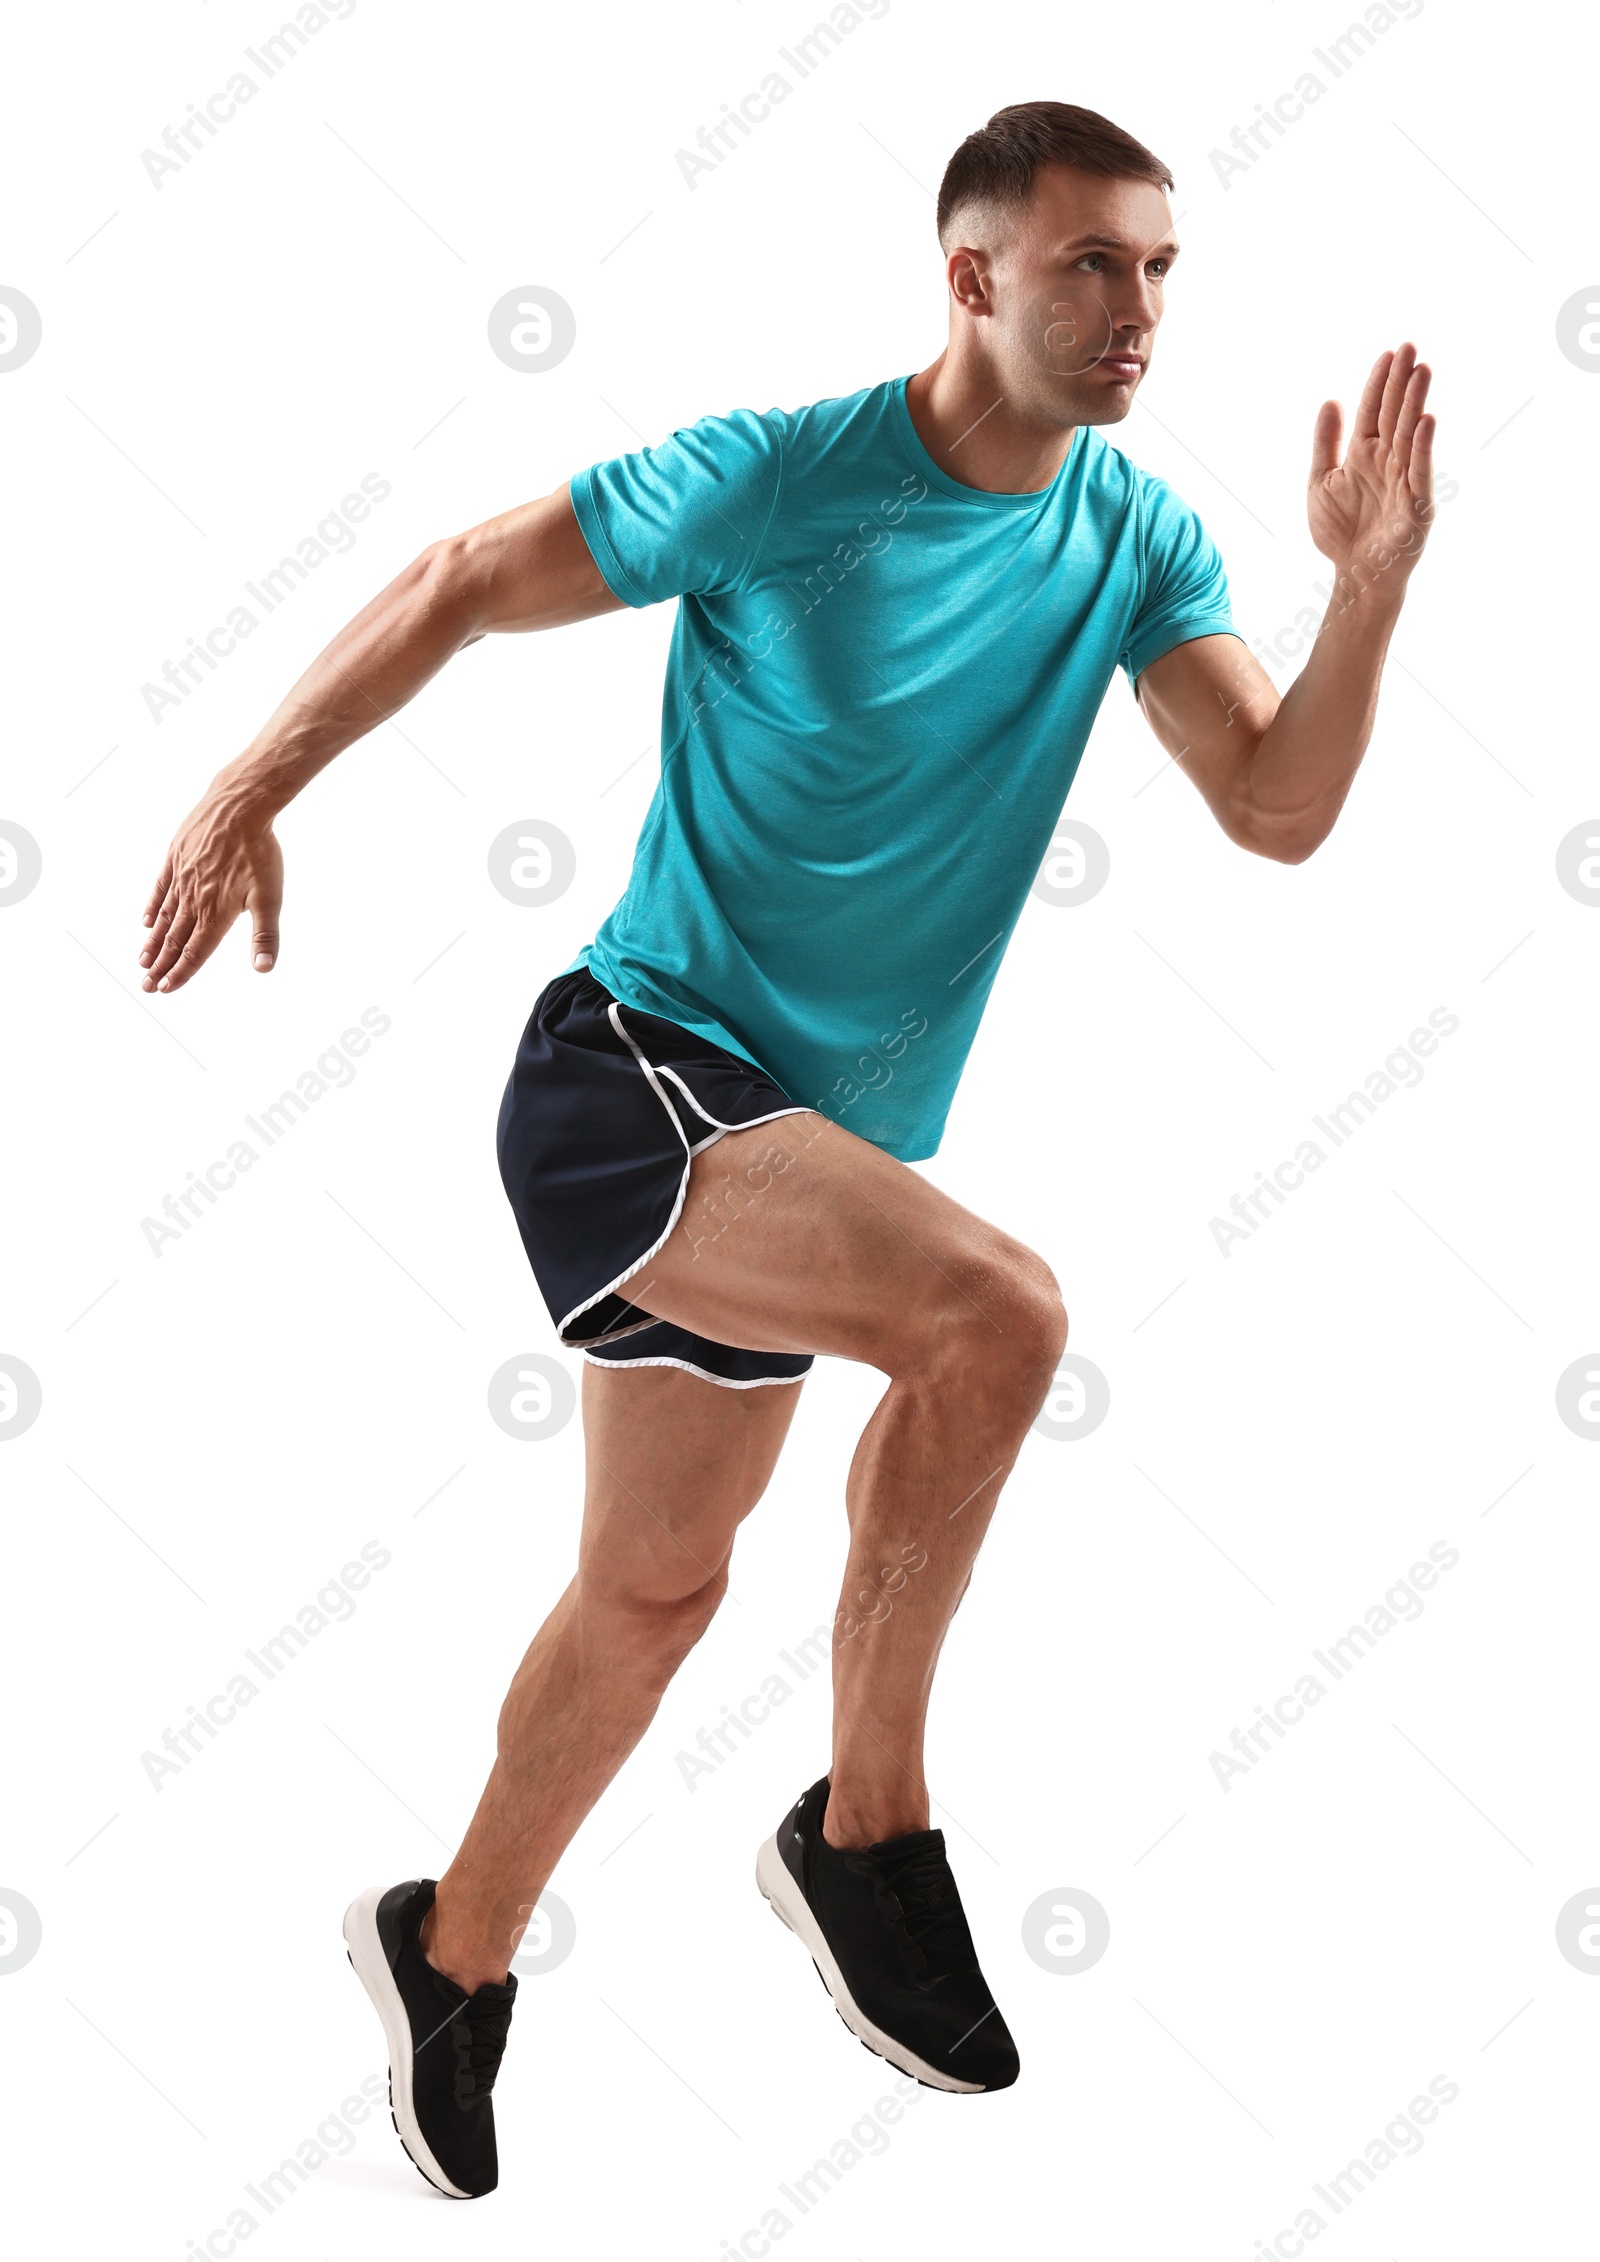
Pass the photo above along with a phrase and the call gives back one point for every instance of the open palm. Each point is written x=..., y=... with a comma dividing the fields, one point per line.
x=1373, y=510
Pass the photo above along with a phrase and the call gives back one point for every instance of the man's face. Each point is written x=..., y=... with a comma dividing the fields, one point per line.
x=1074, y=284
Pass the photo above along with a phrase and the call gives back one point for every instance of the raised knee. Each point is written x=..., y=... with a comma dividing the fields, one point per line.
x=1017, y=1321
x=1045, y=1324
x=660, y=1618
x=1033, y=1331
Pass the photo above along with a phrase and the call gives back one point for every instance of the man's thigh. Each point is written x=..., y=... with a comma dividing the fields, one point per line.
x=798, y=1236
x=673, y=1464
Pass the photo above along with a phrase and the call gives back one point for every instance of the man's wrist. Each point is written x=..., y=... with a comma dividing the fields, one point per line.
x=1368, y=594
x=255, y=788
x=1376, y=574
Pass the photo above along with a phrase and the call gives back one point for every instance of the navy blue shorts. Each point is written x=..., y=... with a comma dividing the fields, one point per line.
x=605, y=1110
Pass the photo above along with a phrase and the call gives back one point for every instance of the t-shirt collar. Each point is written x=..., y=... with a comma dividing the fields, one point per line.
x=985, y=497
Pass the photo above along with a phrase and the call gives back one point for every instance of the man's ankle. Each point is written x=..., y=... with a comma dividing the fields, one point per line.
x=850, y=1822
x=470, y=1965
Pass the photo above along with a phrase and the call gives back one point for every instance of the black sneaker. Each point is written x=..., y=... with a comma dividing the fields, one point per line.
x=445, y=2045
x=887, y=1933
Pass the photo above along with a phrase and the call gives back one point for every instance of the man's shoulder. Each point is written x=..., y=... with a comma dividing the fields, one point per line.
x=813, y=426
x=1117, y=473
x=1112, y=469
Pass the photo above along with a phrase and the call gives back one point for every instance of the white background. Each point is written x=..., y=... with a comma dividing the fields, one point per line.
x=1372, y=1372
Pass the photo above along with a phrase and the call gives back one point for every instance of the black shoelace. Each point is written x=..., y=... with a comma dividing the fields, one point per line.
x=478, y=2032
x=919, y=1896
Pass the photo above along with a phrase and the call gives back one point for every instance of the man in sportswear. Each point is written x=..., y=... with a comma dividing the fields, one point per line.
x=897, y=616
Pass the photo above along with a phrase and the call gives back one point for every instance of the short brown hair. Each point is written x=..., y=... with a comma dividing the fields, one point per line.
x=996, y=165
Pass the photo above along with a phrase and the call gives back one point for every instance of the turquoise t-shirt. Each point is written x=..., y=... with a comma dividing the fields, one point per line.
x=879, y=688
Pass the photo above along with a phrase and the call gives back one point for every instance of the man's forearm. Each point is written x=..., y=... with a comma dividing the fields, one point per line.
x=375, y=664
x=1308, y=756
x=530, y=568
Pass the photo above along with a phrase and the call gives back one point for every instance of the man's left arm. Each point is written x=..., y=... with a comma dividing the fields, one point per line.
x=1275, y=771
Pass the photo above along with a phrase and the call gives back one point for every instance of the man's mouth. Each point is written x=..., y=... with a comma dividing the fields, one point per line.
x=1129, y=367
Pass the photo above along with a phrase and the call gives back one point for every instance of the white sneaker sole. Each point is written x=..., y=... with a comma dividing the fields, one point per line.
x=371, y=1967
x=787, y=1901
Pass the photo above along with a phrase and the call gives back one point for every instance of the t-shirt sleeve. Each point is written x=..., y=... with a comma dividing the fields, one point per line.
x=1184, y=590
x=686, y=517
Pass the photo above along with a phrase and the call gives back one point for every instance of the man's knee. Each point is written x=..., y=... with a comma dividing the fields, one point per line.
x=1033, y=1332
x=1004, y=1316
x=1032, y=1294
x=655, y=1615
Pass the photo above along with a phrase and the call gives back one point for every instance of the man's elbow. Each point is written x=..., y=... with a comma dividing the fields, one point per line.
x=1281, y=839
x=447, y=573
x=446, y=586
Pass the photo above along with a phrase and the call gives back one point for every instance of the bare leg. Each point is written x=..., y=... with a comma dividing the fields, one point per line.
x=799, y=1237
x=673, y=1464
x=796, y=1237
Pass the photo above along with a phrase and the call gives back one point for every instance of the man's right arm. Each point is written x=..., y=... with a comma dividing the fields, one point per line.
x=530, y=568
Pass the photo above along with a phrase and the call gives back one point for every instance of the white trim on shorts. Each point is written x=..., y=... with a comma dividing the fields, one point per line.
x=728, y=1381
x=719, y=1131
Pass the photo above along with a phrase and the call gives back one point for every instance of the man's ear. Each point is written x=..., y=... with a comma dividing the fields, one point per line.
x=967, y=282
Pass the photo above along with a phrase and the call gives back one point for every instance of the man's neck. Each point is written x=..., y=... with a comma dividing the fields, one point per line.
x=974, y=436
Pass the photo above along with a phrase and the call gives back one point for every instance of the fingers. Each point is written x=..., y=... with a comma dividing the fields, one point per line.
x=188, y=945
x=264, y=905
x=1325, y=439
x=1366, y=424
x=1401, y=365
x=158, y=893
x=1421, y=466
x=165, y=914
x=1411, y=407
x=189, y=960
x=220, y=864
x=180, y=924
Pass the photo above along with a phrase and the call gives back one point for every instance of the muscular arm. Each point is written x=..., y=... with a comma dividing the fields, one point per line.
x=1275, y=772
x=529, y=569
